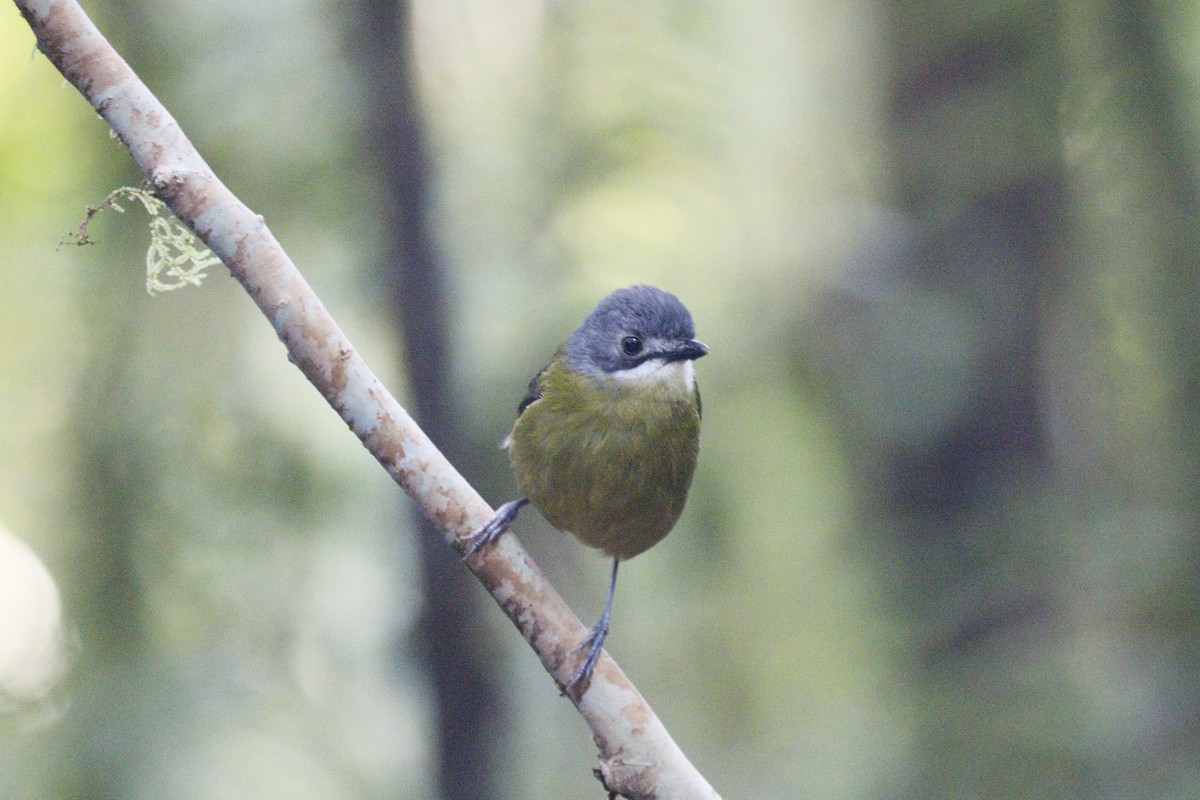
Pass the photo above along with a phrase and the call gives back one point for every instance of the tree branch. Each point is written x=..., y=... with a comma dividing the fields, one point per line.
x=638, y=758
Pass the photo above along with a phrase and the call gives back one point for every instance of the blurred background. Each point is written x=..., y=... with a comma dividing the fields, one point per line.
x=944, y=538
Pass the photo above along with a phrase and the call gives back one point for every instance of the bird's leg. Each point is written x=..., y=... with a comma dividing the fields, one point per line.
x=594, y=641
x=495, y=526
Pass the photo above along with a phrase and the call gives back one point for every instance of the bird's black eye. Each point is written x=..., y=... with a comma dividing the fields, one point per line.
x=631, y=345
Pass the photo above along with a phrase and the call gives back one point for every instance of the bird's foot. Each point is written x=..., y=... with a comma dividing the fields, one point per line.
x=592, y=644
x=497, y=525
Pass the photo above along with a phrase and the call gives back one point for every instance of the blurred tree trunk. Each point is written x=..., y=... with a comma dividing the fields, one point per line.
x=974, y=141
x=1017, y=372
x=1135, y=171
x=1137, y=192
x=103, y=592
x=943, y=330
x=459, y=652
x=103, y=744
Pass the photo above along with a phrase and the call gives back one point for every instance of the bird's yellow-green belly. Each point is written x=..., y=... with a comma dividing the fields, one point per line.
x=613, y=470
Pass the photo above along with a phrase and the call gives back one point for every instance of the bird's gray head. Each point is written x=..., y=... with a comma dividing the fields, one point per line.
x=632, y=333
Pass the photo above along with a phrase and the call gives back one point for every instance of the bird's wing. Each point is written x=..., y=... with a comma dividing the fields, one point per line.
x=532, y=395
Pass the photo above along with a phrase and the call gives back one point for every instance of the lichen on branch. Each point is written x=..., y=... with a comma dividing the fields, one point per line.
x=174, y=259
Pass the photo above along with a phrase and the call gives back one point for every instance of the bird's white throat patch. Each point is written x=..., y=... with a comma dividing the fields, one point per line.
x=677, y=377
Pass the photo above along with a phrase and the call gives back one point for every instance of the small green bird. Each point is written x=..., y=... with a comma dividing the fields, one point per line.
x=606, y=440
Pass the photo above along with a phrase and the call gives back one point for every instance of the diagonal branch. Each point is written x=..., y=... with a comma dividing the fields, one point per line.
x=638, y=757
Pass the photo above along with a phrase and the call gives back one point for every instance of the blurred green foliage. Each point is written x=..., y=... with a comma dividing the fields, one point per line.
x=239, y=576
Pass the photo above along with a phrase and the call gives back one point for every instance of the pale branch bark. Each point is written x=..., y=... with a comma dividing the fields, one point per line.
x=638, y=758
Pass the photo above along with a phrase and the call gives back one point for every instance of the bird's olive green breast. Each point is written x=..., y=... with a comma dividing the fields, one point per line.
x=609, y=462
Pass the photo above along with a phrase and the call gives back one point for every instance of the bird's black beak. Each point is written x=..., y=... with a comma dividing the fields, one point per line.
x=688, y=350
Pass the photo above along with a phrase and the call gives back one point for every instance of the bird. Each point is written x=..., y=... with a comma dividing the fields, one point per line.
x=607, y=437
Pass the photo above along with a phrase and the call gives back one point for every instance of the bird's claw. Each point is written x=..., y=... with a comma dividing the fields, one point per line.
x=592, y=644
x=497, y=525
